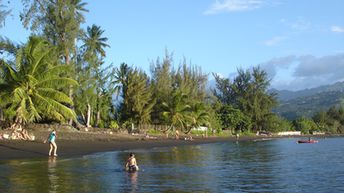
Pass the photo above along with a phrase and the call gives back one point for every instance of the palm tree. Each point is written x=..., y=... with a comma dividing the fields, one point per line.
x=31, y=90
x=121, y=78
x=94, y=43
x=197, y=117
x=175, y=110
x=94, y=52
x=59, y=21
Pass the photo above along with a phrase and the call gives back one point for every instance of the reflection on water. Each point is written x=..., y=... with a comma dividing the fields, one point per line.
x=53, y=178
x=133, y=181
x=278, y=165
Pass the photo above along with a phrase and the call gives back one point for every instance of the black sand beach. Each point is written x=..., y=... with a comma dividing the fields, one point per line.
x=12, y=149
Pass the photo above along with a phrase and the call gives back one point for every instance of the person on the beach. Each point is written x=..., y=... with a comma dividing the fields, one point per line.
x=51, y=139
x=131, y=164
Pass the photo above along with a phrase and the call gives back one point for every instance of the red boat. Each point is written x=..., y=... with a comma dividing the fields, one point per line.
x=307, y=141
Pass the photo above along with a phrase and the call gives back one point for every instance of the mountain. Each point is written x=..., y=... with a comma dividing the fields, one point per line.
x=284, y=95
x=294, y=104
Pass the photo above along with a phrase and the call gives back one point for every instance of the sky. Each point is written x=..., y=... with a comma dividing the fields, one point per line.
x=299, y=43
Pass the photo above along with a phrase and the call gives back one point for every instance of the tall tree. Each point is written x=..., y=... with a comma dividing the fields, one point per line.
x=93, y=54
x=31, y=90
x=166, y=82
x=248, y=93
x=121, y=79
x=59, y=21
x=137, y=100
x=161, y=83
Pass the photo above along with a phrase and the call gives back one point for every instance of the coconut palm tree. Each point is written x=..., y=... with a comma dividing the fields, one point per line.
x=31, y=90
x=197, y=117
x=94, y=42
x=94, y=53
x=175, y=110
x=121, y=78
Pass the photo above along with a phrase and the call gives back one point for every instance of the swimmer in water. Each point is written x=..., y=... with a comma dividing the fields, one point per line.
x=131, y=164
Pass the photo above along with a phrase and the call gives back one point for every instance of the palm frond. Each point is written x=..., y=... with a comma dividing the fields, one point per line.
x=55, y=95
x=51, y=106
x=57, y=82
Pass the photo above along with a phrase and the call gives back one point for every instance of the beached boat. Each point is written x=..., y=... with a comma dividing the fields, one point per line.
x=307, y=141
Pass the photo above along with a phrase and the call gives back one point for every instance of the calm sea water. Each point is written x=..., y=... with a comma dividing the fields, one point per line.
x=278, y=165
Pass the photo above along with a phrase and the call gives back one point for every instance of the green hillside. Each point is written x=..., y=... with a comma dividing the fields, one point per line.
x=307, y=102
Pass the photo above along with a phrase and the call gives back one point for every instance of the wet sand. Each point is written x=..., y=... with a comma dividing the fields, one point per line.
x=77, y=144
x=11, y=149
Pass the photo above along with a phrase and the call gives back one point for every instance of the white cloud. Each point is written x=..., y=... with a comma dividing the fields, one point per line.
x=305, y=71
x=337, y=29
x=275, y=64
x=233, y=6
x=274, y=41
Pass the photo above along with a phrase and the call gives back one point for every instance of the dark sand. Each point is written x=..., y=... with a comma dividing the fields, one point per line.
x=72, y=144
x=12, y=149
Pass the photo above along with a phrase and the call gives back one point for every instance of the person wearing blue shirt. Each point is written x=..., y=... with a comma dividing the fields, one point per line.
x=51, y=139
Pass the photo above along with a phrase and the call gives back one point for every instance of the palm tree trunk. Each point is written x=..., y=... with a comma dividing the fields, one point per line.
x=67, y=62
x=98, y=118
x=71, y=97
x=88, y=115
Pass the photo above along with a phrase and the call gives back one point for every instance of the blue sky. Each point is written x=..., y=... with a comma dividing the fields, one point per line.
x=299, y=43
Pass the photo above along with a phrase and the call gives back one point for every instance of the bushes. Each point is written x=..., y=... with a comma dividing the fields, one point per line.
x=306, y=126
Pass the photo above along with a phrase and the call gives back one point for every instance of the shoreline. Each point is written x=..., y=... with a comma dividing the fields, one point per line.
x=17, y=149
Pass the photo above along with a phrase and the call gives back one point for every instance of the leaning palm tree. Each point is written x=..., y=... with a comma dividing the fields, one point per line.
x=32, y=87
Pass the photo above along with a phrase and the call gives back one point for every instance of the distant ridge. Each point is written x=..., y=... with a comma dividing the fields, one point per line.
x=294, y=104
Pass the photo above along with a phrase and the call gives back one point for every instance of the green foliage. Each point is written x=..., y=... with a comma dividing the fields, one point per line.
x=331, y=121
x=276, y=123
x=179, y=94
x=161, y=85
x=114, y=125
x=137, y=98
x=214, y=121
x=308, y=106
x=175, y=110
x=233, y=118
x=58, y=20
x=95, y=92
x=32, y=88
x=153, y=132
x=306, y=126
x=248, y=96
x=197, y=116
x=222, y=133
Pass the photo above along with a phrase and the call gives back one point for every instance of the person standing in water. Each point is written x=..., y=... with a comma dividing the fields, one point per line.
x=51, y=139
x=131, y=164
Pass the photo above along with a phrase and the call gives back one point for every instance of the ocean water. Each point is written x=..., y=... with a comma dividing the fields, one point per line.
x=278, y=165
